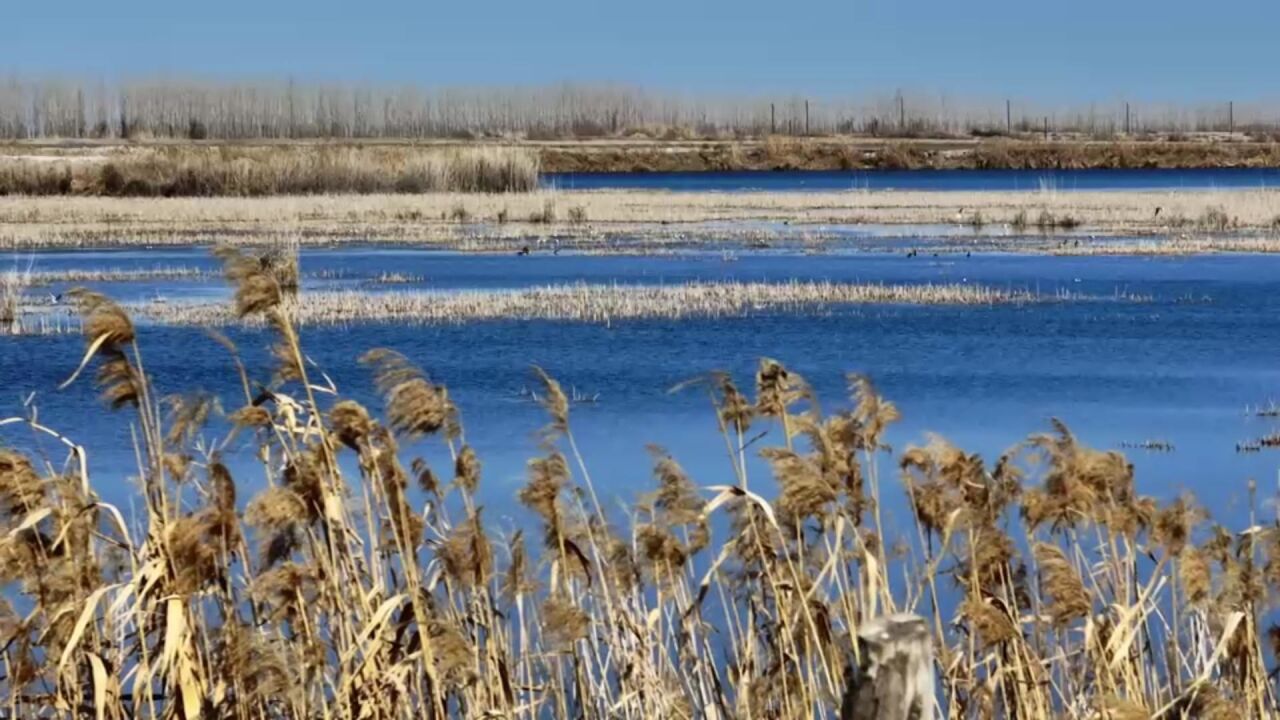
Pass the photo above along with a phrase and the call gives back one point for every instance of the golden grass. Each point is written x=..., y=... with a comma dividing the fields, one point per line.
x=1052, y=588
x=594, y=219
x=282, y=170
x=594, y=303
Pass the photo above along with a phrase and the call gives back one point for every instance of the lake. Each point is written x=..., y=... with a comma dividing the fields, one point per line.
x=1169, y=349
x=971, y=180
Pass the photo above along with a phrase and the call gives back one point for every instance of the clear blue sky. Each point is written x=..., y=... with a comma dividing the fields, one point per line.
x=1045, y=50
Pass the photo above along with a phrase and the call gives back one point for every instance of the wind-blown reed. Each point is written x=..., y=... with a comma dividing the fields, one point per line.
x=362, y=582
x=596, y=303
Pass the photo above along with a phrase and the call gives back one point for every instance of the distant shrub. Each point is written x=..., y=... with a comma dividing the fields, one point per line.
x=577, y=215
x=112, y=179
x=546, y=215
x=1215, y=219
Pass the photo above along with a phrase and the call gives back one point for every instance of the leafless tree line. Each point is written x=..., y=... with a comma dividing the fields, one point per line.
x=178, y=108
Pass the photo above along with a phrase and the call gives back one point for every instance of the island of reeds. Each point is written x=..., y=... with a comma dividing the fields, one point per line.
x=348, y=577
x=593, y=303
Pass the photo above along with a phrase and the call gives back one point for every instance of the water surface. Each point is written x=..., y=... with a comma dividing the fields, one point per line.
x=1178, y=365
x=972, y=180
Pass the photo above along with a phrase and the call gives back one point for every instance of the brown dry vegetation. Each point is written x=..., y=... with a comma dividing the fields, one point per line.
x=332, y=593
x=256, y=171
x=850, y=153
x=258, y=168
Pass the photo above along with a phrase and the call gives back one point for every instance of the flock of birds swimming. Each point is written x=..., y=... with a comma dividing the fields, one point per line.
x=526, y=250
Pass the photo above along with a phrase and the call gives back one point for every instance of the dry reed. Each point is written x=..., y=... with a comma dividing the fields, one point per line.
x=596, y=303
x=286, y=170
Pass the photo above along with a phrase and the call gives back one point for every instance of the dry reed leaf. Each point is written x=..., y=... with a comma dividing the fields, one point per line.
x=82, y=624
x=366, y=638
x=725, y=493
x=1131, y=622
x=1114, y=707
x=174, y=634
x=1229, y=628
x=29, y=521
x=100, y=688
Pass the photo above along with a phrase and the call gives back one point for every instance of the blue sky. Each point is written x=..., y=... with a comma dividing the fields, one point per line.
x=1064, y=51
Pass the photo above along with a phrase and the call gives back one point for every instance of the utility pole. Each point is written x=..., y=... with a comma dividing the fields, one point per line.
x=1128, y=130
x=1231, y=116
x=773, y=120
x=1008, y=117
x=1046, y=127
x=902, y=114
x=806, y=117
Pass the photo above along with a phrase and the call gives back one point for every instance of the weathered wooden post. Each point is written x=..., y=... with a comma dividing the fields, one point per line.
x=894, y=680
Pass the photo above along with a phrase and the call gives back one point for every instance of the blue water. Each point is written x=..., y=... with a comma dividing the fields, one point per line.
x=1180, y=366
x=805, y=180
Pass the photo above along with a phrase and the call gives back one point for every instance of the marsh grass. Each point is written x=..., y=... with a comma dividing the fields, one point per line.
x=361, y=581
x=597, y=303
x=113, y=275
x=273, y=170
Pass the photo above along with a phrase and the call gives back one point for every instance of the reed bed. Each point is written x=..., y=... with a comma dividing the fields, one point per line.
x=359, y=581
x=506, y=221
x=284, y=170
x=1181, y=244
x=116, y=275
x=595, y=303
